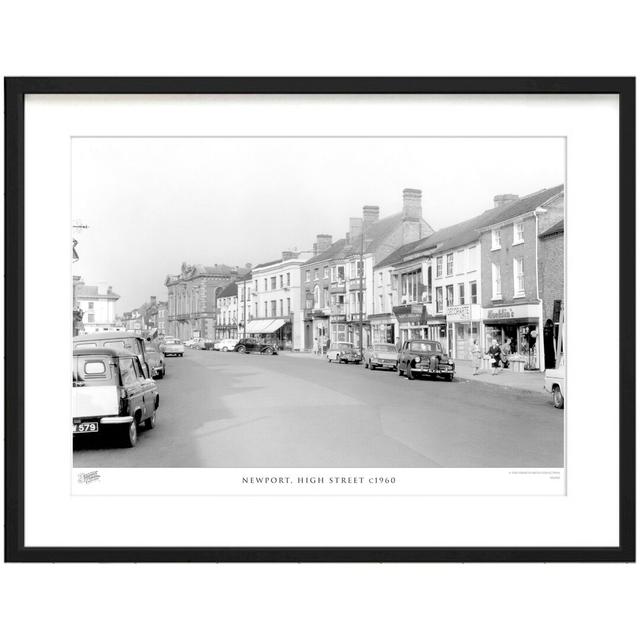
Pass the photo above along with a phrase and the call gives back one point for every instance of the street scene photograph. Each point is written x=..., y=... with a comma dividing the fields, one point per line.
x=318, y=302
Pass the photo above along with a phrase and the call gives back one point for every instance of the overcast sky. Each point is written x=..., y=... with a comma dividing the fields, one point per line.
x=152, y=203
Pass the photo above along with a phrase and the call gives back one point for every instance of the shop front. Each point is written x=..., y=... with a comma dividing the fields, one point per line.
x=383, y=328
x=354, y=329
x=276, y=331
x=320, y=330
x=338, y=328
x=518, y=324
x=412, y=322
x=463, y=327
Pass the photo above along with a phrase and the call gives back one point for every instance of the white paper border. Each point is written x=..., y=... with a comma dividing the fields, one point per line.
x=588, y=515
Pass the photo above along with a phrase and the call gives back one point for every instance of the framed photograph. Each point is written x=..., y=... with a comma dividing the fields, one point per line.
x=320, y=319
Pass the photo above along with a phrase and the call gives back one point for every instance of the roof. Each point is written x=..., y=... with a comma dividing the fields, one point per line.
x=229, y=291
x=469, y=230
x=92, y=291
x=103, y=351
x=334, y=251
x=268, y=264
x=558, y=227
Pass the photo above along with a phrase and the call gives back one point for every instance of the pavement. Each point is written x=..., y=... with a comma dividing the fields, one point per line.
x=297, y=410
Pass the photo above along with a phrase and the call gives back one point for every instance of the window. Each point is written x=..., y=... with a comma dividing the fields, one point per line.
x=380, y=304
x=518, y=277
x=333, y=274
x=127, y=372
x=288, y=306
x=316, y=274
x=266, y=309
x=255, y=309
x=439, y=267
x=449, y=295
x=281, y=307
x=472, y=259
x=91, y=317
x=352, y=270
x=518, y=232
x=340, y=273
x=91, y=305
x=380, y=278
x=316, y=297
x=495, y=239
x=288, y=279
x=266, y=284
x=359, y=271
x=273, y=282
x=460, y=261
x=325, y=272
x=274, y=310
x=438, y=299
x=281, y=281
x=461, y=293
x=409, y=283
x=473, y=286
x=496, y=282
x=325, y=297
x=307, y=276
x=95, y=368
x=429, y=285
x=450, y=264
x=255, y=285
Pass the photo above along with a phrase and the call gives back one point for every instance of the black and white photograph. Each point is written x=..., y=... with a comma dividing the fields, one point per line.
x=318, y=302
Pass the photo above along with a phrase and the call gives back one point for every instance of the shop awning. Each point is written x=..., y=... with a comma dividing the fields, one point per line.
x=265, y=326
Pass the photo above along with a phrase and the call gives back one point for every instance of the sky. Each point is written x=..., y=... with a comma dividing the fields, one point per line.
x=150, y=204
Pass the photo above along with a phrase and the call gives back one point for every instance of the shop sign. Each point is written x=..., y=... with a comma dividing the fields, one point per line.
x=411, y=313
x=509, y=313
x=459, y=313
x=335, y=319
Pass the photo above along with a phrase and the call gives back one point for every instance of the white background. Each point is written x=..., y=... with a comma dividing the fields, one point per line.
x=320, y=601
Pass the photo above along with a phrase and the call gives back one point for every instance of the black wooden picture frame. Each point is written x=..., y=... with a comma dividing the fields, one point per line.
x=15, y=91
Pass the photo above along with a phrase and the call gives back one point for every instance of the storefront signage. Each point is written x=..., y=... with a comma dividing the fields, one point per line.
x=459, y=313
x=342, y=318
x=411, y=313
x=502, y=314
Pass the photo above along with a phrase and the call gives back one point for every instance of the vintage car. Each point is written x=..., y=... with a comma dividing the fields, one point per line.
x=155, y=358
x=343, y=352
x=554, y=383
x=228, y=344
x=172, y=347
x=126, y=340
x=251, y=345
x=111, y=394
x=381, y=356
x=191, y=342
x=424, y=358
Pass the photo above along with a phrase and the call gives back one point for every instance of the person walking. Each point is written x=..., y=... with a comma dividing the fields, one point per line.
x=315, y=346
x=496, y=354
x=505, y=353
x=476, y=357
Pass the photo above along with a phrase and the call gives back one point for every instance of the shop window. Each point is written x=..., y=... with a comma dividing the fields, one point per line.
x=439, y=267
x=450, y=264
x=438, y=299
x=461, y=299
x=518, y=277
x=495, y=239
x=496, y=283
x=518, y=232
x=449, y=295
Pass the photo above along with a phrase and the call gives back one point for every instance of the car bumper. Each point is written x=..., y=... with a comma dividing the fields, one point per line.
x=390, y=364
x=173, y=353
x=439, y=371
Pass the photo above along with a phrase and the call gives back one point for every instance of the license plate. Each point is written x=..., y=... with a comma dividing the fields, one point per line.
x=85, y=427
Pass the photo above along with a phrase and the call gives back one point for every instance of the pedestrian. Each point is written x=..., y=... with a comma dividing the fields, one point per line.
x=315, y=346
x=505, y=353
x=496, y=355
x=476, y=357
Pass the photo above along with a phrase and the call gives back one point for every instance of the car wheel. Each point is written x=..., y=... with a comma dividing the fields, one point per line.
x=130, y=434
x=399, y=369
x=151, y=421
x=450, y=378
x=241, y=349
x=408, y=372
x=372, y=367
x=225, y=349
x=268, y=352
x=558, y=398
x=161, y=373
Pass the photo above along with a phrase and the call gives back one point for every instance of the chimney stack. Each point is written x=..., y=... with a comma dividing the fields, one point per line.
x=153, y=300
x=323, y=242
x=355, y=227
x=412, y=204
x=503, y=199
x=370, y=214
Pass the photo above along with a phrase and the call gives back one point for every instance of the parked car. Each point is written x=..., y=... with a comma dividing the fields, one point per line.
x=190, y=343
x=195, y=343
x=343, y=352
x=252, y=345
x=424, y=357
x=227, y=344
x=554, y=383
x=381, y=356
x=155, y=358
x=173, y=347
x=126, y=340
x=112, y=394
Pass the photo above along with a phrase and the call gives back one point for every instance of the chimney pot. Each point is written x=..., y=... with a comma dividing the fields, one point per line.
x=503, y=199
x=412, y=204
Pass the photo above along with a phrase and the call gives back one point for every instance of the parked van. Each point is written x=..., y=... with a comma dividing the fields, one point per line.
x=126, y=340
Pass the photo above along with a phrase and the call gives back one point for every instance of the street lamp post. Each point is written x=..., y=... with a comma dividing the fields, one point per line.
x=361, y=286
